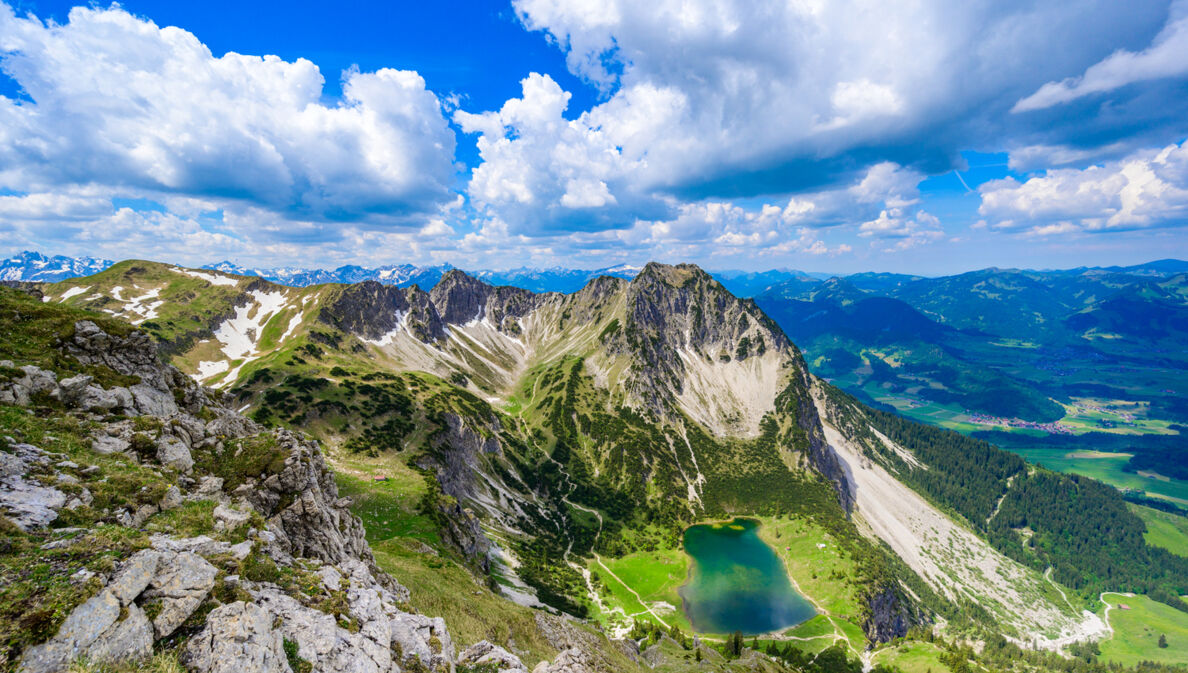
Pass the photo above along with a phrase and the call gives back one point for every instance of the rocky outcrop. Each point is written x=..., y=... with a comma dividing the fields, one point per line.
x=113, y=626
x=24, y=499
x=484, y=654
x=370, y=310
x=457, y=462
x=181, y=582
x=302, y=505
x=888, y=616
x=798, y=399
x=238, y=638
x=676, y=312
x=461, y=298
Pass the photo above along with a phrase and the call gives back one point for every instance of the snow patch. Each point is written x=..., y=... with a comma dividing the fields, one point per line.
x=240, y=335
x=72, y=292
x=387, y=339
x=208, y=369
x=211, y=278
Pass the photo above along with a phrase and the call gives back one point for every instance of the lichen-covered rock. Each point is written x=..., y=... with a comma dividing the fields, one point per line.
x=424, y=638
x=135, y=575
x=106, y=444
x=23, y=500
x=181, y=582
x=77, y=634
x=573, y=660
x=237, y=638
x=229, y=519
x=316, y=523
x=485, y=653
x=172, y=452
x=321, y=640
x=128, y=640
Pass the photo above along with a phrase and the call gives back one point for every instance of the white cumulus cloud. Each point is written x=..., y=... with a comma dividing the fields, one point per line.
x=112, y=99
x=1144, y=190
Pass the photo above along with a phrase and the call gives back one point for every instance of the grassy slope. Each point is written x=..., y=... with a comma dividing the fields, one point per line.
x=1164, y=530
x=36, y=591
x=654, y=575
x=1137, y=631
x=912, y=657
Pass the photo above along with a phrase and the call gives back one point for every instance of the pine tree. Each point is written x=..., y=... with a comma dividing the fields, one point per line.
x=1163, y=640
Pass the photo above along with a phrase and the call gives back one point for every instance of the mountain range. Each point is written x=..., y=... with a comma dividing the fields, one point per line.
x=516, y=456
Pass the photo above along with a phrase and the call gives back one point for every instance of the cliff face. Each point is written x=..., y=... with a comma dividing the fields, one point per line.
x=370, y=310
x=888, y=618
x=460, y=298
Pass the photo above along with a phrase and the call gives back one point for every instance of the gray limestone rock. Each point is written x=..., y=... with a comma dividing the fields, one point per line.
x=172, y=452
x=23, y=500
x=229, y=519
x=181, y=582
x=237, y=638
x=134, y=577
x=127, y=640
x=484, y=653
x=76, y=635
x=107, y=445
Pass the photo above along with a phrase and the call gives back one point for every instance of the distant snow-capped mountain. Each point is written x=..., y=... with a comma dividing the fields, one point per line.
x=34, y=266
x=401, y=275
x=556, y=279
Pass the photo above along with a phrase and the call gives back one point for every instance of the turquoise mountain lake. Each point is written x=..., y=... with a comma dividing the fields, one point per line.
x=737, y=582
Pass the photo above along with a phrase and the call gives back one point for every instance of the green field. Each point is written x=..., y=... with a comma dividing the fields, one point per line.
x=912, y=657
x=1164, y=530
x=1137, y=631
x=655, y=576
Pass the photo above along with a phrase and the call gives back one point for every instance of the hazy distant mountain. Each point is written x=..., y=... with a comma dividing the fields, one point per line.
x=754, y=283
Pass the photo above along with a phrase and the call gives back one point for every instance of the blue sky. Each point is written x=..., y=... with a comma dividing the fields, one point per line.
x=841, y=136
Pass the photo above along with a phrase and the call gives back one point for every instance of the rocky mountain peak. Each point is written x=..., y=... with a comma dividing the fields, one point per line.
x=370, y=310
x=460, y=297
x=677, y=275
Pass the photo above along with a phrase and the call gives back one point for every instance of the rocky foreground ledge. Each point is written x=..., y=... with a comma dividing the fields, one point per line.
x=202, y=533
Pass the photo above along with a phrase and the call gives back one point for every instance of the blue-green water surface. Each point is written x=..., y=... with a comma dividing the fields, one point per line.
x=737, y=582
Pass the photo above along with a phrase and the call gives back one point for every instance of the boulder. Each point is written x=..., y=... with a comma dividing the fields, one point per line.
x=127, y=640
x=321, y=640
x=27, y=503
x=485, y=653
x=172, y=452
x=152, y=401
x=572, y=660
x=134, y=577
x=172, y=498
x=182, y=581
x=38, y=381
x=229, y=519
x=422, y=637
x=71, y=390
x=95, y=398
x=107, y=445
x=237, y=638
x=76, y=635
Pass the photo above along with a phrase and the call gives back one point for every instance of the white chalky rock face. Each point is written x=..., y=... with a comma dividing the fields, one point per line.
x=954, y=561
